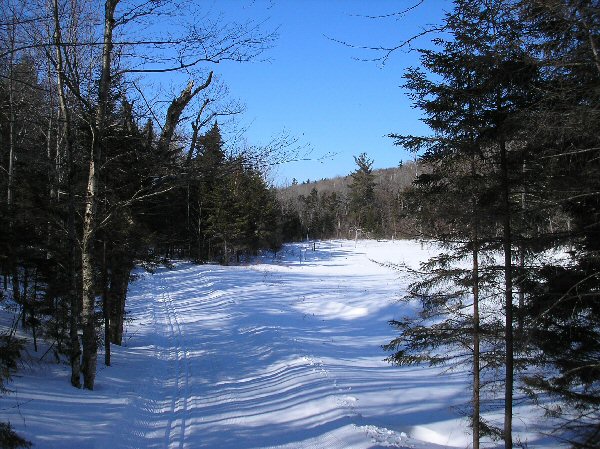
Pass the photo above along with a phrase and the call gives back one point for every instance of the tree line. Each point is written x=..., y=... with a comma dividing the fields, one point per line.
x=367, y=203
x=510, y=90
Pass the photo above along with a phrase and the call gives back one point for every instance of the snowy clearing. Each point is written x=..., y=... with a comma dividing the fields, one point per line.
x=284, y=353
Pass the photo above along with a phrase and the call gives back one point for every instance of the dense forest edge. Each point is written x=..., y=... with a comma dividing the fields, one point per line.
x=96, y=181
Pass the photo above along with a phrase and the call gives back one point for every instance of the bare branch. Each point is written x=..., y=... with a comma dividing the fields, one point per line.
x=394, y=14
x=388, y=51
x=175, y=110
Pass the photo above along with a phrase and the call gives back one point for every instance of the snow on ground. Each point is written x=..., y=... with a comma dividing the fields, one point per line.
x=283, y=353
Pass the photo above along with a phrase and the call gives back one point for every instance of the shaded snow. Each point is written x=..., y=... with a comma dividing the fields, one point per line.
x=284, y=353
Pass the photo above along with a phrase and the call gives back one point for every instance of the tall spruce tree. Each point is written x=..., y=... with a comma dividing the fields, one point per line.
x=209, y=166
x=362, y=195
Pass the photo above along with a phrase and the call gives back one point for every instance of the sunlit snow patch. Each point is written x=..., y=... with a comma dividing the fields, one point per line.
x=446, y=438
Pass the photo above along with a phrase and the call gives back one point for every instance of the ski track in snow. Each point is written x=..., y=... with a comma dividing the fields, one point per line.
x=283, y=354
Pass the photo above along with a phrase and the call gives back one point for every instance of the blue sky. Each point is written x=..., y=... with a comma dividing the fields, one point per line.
x=314, y=88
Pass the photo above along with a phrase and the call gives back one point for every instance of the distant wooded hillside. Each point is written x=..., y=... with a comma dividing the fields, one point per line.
x=365, y=203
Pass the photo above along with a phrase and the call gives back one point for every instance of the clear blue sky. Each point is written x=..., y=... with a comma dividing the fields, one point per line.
x=314, y=88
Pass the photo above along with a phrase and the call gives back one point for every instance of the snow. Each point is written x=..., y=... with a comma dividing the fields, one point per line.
x=283, y=353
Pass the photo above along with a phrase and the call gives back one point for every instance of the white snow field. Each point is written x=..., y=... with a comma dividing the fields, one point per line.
x=283, y=353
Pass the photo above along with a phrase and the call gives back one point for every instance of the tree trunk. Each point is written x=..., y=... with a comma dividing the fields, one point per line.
x=188, y=226
x=12, y=258
x=105, y=306
x=476, y=349
x=75, y=348
x=11, y=125
x=90, y=345
x=33, y=318
x=119, y=282
x=476, y=324
x=176, y=109
x=196, y=125
x=520, y=336
x=508, y=297
x=24, y=298
x=74, y=299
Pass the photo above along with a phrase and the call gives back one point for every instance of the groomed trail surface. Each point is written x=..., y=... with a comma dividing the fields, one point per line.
x=283, y=353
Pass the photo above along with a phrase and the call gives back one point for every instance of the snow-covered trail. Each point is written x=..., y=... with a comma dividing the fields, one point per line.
x=273, y=355
x=280, y=354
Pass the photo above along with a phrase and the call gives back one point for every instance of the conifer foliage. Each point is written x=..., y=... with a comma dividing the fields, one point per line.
x=235, y=212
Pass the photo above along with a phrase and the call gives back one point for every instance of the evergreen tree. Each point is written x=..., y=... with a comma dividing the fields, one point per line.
x=244, y=215
x=362, y=195
x=210, y=167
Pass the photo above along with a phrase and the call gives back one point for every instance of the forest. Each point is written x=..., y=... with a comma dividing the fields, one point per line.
x=511, y=94
x=95, y=180
x=94, y=183
x=367, y=203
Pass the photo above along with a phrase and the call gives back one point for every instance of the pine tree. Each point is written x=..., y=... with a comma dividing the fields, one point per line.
x=244, y=216
x=362, y=195
x=209, y=168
